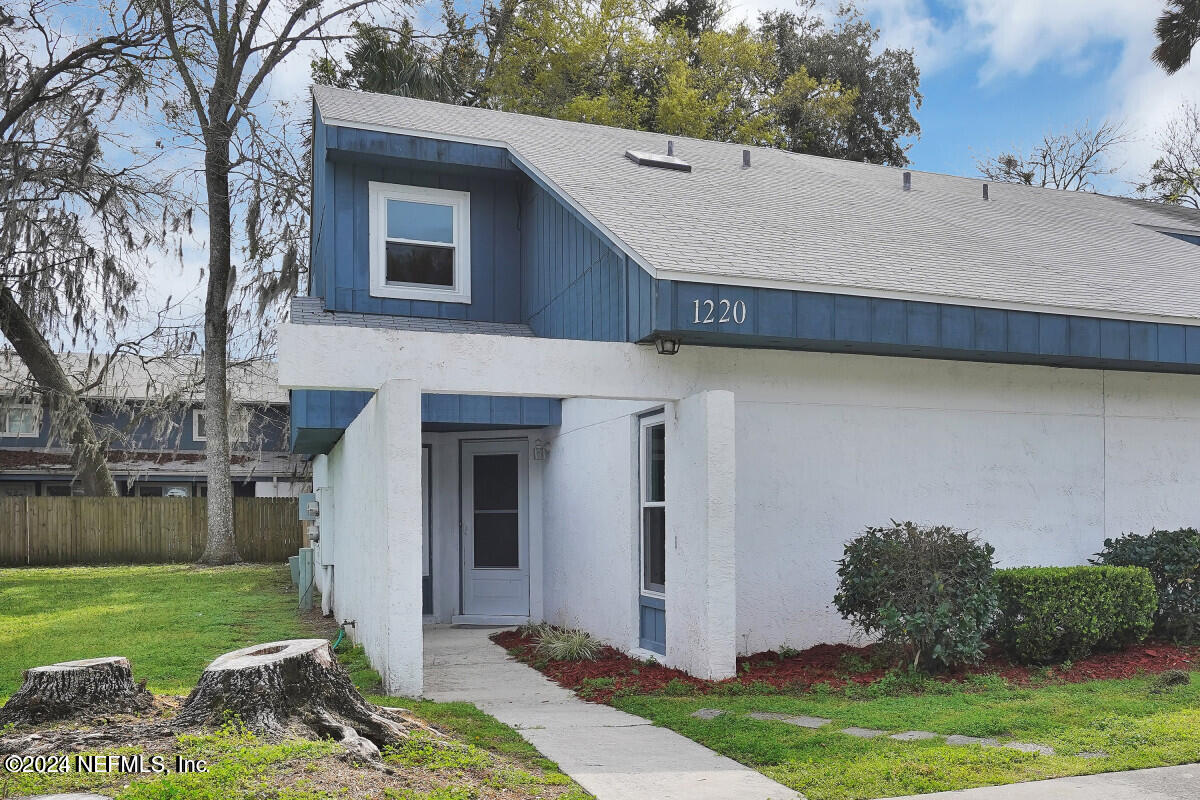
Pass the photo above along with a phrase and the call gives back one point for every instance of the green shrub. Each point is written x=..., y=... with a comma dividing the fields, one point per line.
x=1051, y=614
x=564, y=644
x=927, y=590
x=1173, y=558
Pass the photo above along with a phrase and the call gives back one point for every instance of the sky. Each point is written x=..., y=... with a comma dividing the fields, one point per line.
x=997, y=74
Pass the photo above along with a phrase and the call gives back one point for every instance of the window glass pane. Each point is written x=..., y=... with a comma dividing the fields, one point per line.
x=23, y=421
x=654, y=549
x=415, y=263
x=198, y=418
x=423, y=221
x=496, y=482
x=496, y=535
x=18, y=421
x=656, y=448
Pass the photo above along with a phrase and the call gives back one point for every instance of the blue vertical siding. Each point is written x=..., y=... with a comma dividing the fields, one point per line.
x=652, y=624
x=321, y=232
x=346, y=160
x=320, y=417
x=844, y=323
x=538, y=261
x=533, y=259
x=578, y=285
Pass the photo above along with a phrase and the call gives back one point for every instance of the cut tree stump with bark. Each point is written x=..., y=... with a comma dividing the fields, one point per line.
x=293, y=686
x=83, y=689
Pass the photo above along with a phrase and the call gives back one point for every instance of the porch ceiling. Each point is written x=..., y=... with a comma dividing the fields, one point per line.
x=320, y=417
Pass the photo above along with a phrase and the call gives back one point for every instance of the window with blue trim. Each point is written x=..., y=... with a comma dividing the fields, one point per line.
x=654, y=506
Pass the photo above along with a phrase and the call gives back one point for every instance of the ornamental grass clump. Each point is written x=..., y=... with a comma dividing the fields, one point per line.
x=567, y=644
x=926, y=589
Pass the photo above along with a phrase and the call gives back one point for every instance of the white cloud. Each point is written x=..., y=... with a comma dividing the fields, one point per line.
x=909, y=25
x=1020, y=35
x=1005, y=39
x=1017, y=37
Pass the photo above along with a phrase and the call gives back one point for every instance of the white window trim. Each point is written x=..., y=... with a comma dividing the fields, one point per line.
x=379, y=193
x=196, y=412
x=646, y=423
x=233, y=411
x=15, y=405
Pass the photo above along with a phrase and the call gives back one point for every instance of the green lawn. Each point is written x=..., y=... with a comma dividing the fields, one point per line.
x=168, y=620
x=1135, y=727
x=171, y=621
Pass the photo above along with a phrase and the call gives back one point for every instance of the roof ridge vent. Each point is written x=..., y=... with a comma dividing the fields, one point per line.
x=668, y=161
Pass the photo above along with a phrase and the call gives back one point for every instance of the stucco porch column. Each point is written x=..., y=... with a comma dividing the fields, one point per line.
x=399, y=414
x=700, y=477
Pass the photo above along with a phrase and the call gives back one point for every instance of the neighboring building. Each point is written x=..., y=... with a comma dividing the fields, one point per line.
x=157, y=432
x=486, y=372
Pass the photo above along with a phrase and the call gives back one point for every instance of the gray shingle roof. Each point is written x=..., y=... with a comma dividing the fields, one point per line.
x=816, y=223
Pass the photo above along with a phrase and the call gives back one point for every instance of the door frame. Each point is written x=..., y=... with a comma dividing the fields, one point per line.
x=529, y=534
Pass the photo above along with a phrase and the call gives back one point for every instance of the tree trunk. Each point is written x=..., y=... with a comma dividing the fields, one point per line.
x=88, y=453
x=219, y=547
x=76, y=690
x=279, y=687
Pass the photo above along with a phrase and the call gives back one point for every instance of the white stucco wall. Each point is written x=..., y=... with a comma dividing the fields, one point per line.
x=374, y=532
x=701, y=467
x=590, y=555
x=1043, y=462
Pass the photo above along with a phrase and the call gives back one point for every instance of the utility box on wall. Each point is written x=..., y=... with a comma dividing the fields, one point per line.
x=310, y=510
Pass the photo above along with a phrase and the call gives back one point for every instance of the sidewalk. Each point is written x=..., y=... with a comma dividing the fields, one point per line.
x=613, y=755
x=1162, y=783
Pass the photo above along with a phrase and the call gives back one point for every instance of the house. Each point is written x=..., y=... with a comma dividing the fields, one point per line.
x=152, y=414
x=649, y=386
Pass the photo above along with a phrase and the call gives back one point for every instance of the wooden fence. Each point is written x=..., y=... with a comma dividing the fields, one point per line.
x=146, y=530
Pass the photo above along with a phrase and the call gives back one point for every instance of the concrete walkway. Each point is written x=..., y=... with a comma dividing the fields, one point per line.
x=1163, y=783
x=613, y=755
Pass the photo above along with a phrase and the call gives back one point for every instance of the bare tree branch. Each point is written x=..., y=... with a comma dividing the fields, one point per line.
x=1071, y=160
x=223, y=57
x=1175, y=175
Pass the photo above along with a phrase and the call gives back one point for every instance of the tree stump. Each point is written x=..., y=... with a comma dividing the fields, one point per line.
x=76, y=689
x=278, y=687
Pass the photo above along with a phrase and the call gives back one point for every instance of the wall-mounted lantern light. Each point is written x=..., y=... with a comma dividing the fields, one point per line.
x=665, y=346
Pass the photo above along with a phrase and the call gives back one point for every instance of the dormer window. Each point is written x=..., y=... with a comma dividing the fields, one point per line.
x=420, y=243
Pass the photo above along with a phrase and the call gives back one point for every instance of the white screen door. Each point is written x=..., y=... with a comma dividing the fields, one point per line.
x=495, y=528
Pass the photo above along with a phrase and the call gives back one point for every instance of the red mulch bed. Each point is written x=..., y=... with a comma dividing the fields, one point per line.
x=833, y=664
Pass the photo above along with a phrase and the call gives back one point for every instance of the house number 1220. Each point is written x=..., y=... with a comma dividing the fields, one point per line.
x=709, y=311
